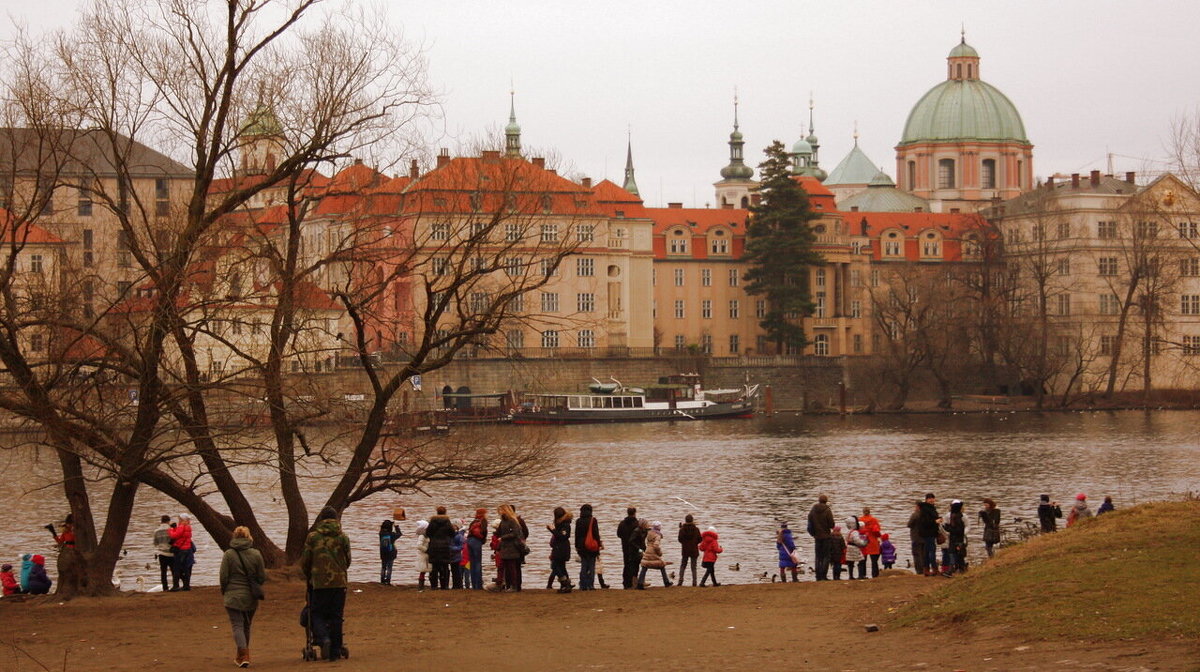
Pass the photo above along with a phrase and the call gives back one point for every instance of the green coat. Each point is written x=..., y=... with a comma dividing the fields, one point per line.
x=235, y=585
x=326, y=556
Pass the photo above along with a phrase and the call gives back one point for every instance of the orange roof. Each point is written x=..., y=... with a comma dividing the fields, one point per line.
x=310, y=179
x=24, y=232
x=699, y=220
x=819, y=197
x=613, y=200
x=493, y=183
x=871, y=224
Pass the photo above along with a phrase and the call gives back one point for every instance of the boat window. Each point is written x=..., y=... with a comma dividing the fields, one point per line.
x=637, y=402
x=574, y=402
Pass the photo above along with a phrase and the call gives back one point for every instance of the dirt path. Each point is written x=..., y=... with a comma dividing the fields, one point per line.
x=776, y=627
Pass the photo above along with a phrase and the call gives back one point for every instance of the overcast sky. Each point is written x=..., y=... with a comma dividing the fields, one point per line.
x=1089, y=78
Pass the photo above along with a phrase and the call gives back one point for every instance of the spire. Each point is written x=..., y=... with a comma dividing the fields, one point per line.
x=804, y=152
x=736, y=170
x=512, y=132
x=856, y=133
x=630, y=183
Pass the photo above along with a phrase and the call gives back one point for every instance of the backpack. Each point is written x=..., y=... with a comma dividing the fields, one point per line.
x=386, y=543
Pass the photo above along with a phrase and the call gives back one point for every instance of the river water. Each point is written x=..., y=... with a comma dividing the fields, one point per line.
x=739, y=476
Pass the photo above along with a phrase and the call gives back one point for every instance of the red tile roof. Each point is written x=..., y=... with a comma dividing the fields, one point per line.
x=699, y=220
x=24, y=232
x=612, y=200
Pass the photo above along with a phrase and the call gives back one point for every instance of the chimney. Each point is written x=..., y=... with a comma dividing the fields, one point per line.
x=490, y=155
x=538, y=162
x=413, y=171
x=1095, y=178
x=918, y=209
x=1074, y=180
x=676, y=206
x=727, y=206
x=1050, y=182
x=854, y=208
x=358, y=162
x=1129, y=177
x=443, y=157
x=586, y=182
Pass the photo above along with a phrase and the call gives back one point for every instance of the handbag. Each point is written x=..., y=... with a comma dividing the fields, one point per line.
x=590, y=543
x=256, y=589
x=522, y=547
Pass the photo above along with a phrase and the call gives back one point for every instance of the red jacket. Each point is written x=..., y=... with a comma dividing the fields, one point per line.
x=181, y=536
x=709, y=546
x=870, y=529
x=10, y=583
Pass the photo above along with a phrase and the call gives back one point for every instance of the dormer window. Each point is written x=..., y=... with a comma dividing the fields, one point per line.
x=678, y=243
x=893, y=244
x=719, y=244
x=931, y=245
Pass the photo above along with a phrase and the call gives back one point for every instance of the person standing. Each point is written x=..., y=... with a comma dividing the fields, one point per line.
x=588, y=546
x=820, y=527
x=927, y=529
x=511, y=539
x=855, y=542
x=786, y=546
x=710, y=545
x=837, y=552
x=476, y=537
x=241, y=566
x=887, y=551
x=460, y=568
x=560, y=548
x=990, y=517
x=389, y=532
x=956, y=529
x=871, y=529
x=916, y=543
x=1048, y=513
x=689, y=542
x=163, y=552
x=324, y=561
x=653, y=557
x=631, y=555
x=1079, y=511
x=183, y=551
x=440, y=534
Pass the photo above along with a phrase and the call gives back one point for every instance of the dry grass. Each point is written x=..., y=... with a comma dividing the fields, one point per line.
x=1133, y=573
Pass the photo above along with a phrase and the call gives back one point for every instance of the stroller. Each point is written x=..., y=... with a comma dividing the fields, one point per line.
x=310, y=650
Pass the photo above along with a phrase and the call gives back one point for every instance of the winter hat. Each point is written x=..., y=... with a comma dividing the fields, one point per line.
x=1081, y=497
x=956, y=501
x=711, y=528
x=656, y=526
x=1045, y=498
x=852, y=523
x=885, y=537
x=421, y=525
x=184, y=516
x=38, y=560
x=481, y=513
x=6, y=568
x=327, y=513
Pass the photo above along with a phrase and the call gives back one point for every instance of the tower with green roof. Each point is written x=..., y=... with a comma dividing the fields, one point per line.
x=737, y=179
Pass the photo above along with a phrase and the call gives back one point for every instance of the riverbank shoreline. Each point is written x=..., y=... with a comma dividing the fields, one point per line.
x=805, y=626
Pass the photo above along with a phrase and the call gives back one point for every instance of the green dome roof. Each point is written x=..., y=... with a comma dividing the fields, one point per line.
x=883, y=198
x=856, y=168
x=963, y=50
x=262, y=121
x=801, y=147
x=964, y=109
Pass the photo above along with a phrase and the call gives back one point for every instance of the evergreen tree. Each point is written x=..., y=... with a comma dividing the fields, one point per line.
x=779, y=250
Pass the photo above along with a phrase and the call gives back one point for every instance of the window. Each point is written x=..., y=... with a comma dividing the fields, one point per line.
x=1106, y=230
x=478, y=264
x=1188, y=230
x=514, y=267
x=123, y=287
x=549, y=267
x=37, y=343
x=1064, y=266
x=987, y=174
x=1110, y=304
x=586, y=338
x=719, y=245
x=479, y=302
x=680, y=342
x=479, y=230
x=439, y=231
x=911, y=174
x=856, y=277
x=945, y=173
x=821, y=345
x=874, y=277
x=1189, y=304
x=124, y=258
x=931, y=245
x=820, y=277
x=549, y=233
x=1064, y=305
x=1106, y=345
x=1062, y=346
x=512, y=232
x=856, y=309
x=162, y=196
x=1039, y=232
x=1191, y=345
x=679, y=277
x=891, y=248
x=706, y=309
x=585, y=233
x=585, y=302
x=1064, y=230
x=440, y=265
x=858, y=344
x=549, y=302
x=735, y=309
x=760, y=308
x=679, y=309
x=706, y=343
x=1108, y=265
x=1146, y=230
x=820, y=305
x=550, y=339
x=705, y=277
x=1189, y=267
x=735, y=344
x=734, y=277
x=83, y=207
x=514, y=339
x=678, y=243
x=585, y=267
x=517, y=303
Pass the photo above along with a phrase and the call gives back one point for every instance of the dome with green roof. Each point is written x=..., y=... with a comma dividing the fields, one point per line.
x=882, y=196
x=963, y=50
x=262, y=121
x=856, y=168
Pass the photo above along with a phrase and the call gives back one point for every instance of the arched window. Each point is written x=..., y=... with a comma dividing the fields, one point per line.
x=911, y=181
x=958, y=71
x=987, y=174
x=893, y=244
x=679, y=242
x=945, y=173
x=931, y=245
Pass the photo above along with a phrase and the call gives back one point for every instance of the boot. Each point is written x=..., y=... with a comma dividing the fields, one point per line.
x=246, y=658
x=565, y=586
x=243, y=658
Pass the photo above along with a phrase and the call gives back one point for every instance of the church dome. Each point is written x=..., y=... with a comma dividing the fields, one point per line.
x=963, y=50
x=802, y=146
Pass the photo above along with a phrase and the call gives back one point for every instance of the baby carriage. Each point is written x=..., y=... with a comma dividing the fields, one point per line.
x=311, y=651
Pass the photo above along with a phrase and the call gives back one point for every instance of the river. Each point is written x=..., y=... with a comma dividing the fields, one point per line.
x=739, y=476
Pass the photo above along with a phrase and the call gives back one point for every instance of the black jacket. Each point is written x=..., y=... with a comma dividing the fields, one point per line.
x=440, y=532
x=927, y=525
x=625, y=531
x=581, y=528
x=560, y=542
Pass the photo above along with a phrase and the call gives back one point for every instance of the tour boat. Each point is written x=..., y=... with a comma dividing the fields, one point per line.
x=614, y=402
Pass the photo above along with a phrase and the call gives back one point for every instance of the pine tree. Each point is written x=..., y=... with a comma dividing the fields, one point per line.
x=779, y=250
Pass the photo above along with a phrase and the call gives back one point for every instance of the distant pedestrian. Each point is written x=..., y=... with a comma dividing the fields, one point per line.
x=1048, y=513
x=164, y=553
x=8, y=582
x=389, y=532
x=820, y=527
x=588, y=546
x=927, y=527
x=1106, y=506
x=477, y=535
x=631, y=554
x=511, y=541
x=990, y=517
x=652, y=558
x=689, y=543
x=786, y=546
x=422, y=553
x=183, y=551
x=855, y=542
x=440, y=533
x=916, y=541
x=956, y=528
x=39, y=582
x=241, y=566
x=710, y=546
x=887, y=551
x=325, y=562
x=459, y=568
x=837, y=552
x=560, y=548
x=1080, y=511
x=870, y=529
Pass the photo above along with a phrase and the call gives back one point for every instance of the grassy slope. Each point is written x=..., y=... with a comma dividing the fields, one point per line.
x=1130, y=574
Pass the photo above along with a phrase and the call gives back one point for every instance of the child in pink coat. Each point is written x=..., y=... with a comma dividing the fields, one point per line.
x=710, y=548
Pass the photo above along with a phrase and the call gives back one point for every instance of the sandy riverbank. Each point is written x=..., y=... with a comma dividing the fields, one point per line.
x=807, y=626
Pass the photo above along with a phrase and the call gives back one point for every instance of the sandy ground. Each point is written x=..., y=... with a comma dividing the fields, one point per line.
x=770, y=627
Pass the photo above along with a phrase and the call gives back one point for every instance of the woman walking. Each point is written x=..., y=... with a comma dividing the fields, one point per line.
x=786, y=545
x=476, y=537
x=652, y=558
x=511, y=542
x=990, y=516
x=560, y=549
x=689, y=542
x=242, y=572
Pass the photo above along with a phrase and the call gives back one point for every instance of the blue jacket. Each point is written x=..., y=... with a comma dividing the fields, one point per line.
x=785, y=548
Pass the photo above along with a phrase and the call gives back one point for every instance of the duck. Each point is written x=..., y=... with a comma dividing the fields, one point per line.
x=735, y=567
